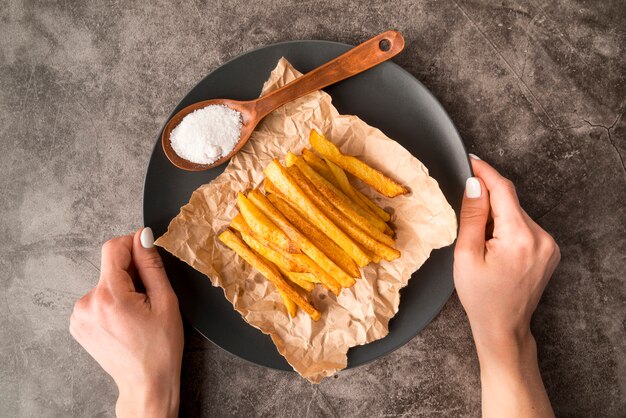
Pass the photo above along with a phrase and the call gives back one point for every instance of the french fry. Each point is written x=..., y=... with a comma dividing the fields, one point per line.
x=285, y=183
x=328, y=246
x=277, y=194
x=308, y=277
x=290, y=159
x=369, y=175
x=374, y=257
x=305, y=284
x=294, y=263
x=380, y=212
x=262, y=226
x=319, y=165
x=239, y=224
x=357, y=196
x=368, y=222
x=292, y=308
x=326, y=279
x=269, y=187
x=326, y=169
x=297, y=263
x=230, y=239
x=332, y=213
x=344, y=184
x=330, y=275
x=275, y=257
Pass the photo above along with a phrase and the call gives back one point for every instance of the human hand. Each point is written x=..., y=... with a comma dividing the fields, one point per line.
x=500, y=278
x=136, y=337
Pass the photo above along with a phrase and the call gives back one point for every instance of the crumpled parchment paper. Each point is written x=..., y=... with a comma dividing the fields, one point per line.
x=423, y=221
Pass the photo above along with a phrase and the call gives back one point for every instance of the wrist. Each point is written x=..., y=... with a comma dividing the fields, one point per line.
x=156, y=399
x=510, y=377
x=501, y=339
x=506, y=352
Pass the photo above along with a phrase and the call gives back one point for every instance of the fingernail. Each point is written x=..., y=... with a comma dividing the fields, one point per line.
x=147, y=238
x=472, y=188
x=474, y=156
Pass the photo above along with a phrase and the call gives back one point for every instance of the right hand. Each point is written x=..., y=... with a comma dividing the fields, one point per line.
x=500, y=278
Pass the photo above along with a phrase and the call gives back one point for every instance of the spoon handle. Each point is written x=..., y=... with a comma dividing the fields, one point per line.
x=360, y=58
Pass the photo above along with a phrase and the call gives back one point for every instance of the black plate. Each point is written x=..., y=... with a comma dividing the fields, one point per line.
x=386, y=97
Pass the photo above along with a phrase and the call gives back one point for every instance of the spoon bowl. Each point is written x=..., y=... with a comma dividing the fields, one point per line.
x=362, y=57
x=249, y=121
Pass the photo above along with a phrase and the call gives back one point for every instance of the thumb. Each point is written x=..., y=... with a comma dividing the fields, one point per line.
x=474, y=215
x=149, y=264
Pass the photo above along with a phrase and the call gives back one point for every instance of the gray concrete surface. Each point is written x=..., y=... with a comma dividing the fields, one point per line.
x=536, y=88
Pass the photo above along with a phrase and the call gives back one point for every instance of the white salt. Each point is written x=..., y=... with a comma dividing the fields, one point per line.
x=206, y=134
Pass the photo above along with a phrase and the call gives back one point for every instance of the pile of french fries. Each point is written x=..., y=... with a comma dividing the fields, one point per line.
x=312, y=226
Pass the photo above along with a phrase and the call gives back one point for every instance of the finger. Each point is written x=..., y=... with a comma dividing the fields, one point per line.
x=502, y=196
x=116, y=262
x=79, y=313
x=149, y=264
x=474, y=216
x=531, y=223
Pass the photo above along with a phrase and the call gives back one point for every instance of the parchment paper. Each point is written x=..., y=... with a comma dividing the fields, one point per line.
x=423, y=220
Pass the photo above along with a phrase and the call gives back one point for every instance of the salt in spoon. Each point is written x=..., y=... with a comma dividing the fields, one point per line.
x=360, y=58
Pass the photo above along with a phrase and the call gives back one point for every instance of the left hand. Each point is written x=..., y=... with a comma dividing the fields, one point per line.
x=136, y=337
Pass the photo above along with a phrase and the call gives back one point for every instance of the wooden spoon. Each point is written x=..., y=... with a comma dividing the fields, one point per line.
x=363, y=57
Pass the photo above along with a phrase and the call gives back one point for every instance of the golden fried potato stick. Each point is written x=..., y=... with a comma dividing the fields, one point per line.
x=277, y=194
x=369, y=175
x=374, y=257
x=230, y=239
x=380, y=212
x=319, y=165
x=295, y=263
x=328, y=281
x=357, y=196
x=335, y=174
x=273, y=256
x=343, y=184
x=330, y=275
x=335, y=215
x=305, y=284
x=307, y=277
x=292, y=308
x=368, y=222
x=328, y=246
x=262, y=226
x=279, y=177
x=269, y=187
x=361, y=203
x=290, y=159
x=239, y=224
x=298, y=263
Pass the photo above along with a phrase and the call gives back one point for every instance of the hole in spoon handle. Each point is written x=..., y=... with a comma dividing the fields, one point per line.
x=384, y=45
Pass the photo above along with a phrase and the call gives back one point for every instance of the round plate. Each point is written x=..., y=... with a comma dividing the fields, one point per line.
x=386, y=97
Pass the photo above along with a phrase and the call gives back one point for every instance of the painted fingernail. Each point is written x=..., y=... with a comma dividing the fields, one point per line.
x=474, y=156
x=147, y=238
x=472, y=188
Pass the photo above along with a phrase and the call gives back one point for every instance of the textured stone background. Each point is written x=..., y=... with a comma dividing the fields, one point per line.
x=536, y=88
